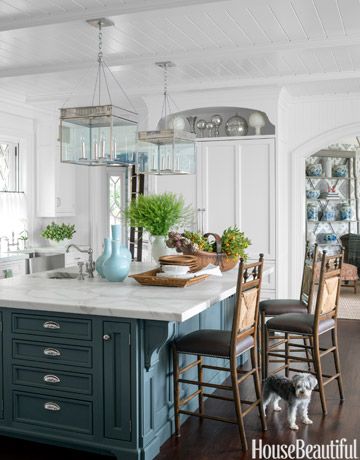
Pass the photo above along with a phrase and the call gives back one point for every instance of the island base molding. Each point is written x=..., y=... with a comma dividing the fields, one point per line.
x=55, y=369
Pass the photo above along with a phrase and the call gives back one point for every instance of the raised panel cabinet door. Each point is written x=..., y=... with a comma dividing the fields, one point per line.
x=217, y=185
x=256, y=190
x=65, y=193
x=117, y=380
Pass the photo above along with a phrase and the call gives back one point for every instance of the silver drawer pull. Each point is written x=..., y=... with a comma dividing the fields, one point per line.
x=52, y=406
x=51, y=379
x=51, y=352
x=51, y=325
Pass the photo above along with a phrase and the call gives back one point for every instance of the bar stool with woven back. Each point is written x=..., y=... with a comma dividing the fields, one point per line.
x=313, y=326
x=275, y=307
x=228, y=345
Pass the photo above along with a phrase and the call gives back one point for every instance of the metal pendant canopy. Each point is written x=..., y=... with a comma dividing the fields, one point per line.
x=100, y=133
x=167, y=151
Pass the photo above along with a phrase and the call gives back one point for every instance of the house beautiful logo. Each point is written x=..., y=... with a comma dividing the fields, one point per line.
x=336, y=449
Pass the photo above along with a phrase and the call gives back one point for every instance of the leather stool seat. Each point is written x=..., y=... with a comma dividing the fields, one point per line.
x=211, y=342
x=274, y=307
x=298, y=323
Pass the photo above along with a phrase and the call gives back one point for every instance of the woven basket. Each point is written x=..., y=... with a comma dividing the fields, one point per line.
x=215, y=258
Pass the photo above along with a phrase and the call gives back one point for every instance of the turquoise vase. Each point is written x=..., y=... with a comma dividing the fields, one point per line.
x=116, y=232
x=104, y=256
x=117, y=266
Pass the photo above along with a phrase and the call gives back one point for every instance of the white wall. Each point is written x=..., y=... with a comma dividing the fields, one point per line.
x=305, y=126
x=19, y=122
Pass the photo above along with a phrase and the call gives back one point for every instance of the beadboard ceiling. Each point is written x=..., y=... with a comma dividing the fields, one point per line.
x=310, y=46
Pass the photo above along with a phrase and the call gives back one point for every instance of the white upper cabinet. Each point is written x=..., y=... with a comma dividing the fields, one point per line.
x=55, y=181
x=234, y=185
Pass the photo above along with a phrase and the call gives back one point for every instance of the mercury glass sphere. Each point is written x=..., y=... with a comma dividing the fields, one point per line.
x=236, y=126
x=217, y=120
x=201, y=124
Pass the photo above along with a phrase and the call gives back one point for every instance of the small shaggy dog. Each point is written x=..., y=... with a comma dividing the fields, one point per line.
x=297, y=393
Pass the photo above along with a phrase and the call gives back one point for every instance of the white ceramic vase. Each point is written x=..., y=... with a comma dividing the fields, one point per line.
x=159, y=248
x=327, y=164
x=59, y=244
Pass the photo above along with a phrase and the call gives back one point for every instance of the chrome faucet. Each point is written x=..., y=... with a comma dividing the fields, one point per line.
x=90, y=264
x=13, y=243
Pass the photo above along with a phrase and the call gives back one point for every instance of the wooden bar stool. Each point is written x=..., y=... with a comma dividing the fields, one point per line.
x=228, y=345
x=313, y=326
x=275, y=307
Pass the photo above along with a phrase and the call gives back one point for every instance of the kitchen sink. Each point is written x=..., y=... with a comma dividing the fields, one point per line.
x=62, y=276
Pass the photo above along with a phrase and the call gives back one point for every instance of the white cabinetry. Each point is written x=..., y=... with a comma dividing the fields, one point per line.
x=55, y=195
x=234, y=185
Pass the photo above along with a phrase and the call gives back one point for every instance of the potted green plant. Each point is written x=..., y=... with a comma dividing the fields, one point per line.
x=157, y=214
x=58, y=234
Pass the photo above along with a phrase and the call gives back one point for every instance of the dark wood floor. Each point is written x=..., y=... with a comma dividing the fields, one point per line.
x=220, y=441
x=211, y=440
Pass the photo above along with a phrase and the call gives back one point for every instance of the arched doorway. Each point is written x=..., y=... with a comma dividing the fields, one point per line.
x=296, y=221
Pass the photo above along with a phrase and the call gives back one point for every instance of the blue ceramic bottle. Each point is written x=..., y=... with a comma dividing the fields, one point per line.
x=104, y=256
x=116, y=232
x=117, y=266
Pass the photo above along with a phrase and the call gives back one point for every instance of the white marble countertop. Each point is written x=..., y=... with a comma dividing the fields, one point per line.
x=127, y=299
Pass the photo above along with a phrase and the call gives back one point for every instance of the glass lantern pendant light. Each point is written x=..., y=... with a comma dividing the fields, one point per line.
x=99, y=134
x=166, y=151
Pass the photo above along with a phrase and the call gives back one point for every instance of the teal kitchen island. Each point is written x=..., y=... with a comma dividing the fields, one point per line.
x=86, y=364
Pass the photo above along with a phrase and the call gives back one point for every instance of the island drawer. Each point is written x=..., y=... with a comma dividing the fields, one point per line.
x=54, y=379
x=49, y=325
x=72, y=355
x=52, y=412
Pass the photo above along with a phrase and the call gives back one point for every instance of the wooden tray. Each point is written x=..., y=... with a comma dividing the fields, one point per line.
x=150, y=279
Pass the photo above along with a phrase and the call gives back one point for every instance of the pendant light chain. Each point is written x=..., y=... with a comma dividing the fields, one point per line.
x=100, y=59
x=166, y=109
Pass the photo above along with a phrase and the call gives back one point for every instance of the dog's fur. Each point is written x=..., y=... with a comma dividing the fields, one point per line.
x=297, y=393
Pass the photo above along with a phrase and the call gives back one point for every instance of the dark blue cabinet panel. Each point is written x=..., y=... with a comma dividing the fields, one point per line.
x=52, y=379
x=51, y=325
x=50, y=352
x=53, y=412
x=117, y=379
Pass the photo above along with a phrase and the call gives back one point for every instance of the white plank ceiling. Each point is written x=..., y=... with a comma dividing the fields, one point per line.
x=310, y=46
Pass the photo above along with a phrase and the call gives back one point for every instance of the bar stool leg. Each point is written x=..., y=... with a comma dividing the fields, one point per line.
x=258, y=388
x=286, y=354
x=265, y=362
x=307, y=354
x=337, y=362
x=259, y=344
x=237, y=401
x=263, y=345
x=176, y=390
x=318, y=369
x=200, y=379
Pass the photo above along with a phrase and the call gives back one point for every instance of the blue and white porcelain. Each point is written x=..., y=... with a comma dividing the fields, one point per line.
x=314, y=169
x=312, y=194
x=340, y=171
x=328, y=215
x=345, y=212
x=116, y=268
x=312, y=212
x=325, y=238
x=104, y=256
